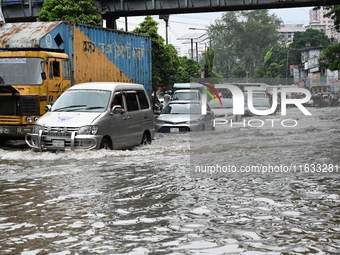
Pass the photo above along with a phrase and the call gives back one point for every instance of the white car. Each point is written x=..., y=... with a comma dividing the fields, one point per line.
x=255, y=94
x=185, y=116
x=223, y=111
x=259, y=104
x=187, y=94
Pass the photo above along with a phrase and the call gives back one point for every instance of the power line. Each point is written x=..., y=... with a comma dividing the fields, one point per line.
x=188, y=23
x=194, y=16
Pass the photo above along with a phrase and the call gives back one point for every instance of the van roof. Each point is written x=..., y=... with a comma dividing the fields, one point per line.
x=187, y=90
x=107, y=85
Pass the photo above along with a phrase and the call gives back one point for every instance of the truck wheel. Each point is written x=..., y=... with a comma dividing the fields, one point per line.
x=146, y=139
x=3, y=142
x=106, y=144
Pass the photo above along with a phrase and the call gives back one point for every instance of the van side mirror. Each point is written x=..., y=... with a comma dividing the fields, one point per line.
x=48, y=108
x=117, y=109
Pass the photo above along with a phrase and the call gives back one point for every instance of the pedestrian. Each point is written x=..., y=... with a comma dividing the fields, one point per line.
x=167, y=100
x=335, y=99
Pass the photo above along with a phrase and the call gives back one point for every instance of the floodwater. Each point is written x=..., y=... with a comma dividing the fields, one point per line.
x=280, y=194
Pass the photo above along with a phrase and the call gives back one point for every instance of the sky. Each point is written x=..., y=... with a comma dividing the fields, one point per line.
x=180, y=24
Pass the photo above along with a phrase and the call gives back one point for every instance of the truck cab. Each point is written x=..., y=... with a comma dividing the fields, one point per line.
x=29, y=80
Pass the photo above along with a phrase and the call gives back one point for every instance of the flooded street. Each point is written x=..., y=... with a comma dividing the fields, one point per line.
x=280, y=195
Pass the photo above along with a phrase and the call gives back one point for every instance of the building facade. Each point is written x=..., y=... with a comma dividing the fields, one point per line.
x=286, y=32
x=318, y=15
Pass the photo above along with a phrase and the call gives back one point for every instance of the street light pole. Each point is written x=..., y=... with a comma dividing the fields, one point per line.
x=194, y=38
x=288, y=51
x=195, y=28
x=192, y=48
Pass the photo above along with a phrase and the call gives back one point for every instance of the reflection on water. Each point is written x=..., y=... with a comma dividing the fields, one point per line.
x=145, y=201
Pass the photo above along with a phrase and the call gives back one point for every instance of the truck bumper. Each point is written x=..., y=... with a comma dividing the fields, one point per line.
x=40, y=142
x=14, y=132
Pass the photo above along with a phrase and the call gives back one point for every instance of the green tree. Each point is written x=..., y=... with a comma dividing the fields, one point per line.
x=224, y=42
x=274, y=63
x=165, y=61
x=239, y=72
x=243, y=38
x=209, y=63
x=188, y=69
x=330, y=58
x=167, y=67
x=309, y=38
x=82, y=11
x=171, y=67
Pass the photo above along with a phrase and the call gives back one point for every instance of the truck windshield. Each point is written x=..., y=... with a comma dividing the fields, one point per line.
x=21, y=71
x=88, y=100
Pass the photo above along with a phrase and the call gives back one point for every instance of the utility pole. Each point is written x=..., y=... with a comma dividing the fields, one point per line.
x=165, y=17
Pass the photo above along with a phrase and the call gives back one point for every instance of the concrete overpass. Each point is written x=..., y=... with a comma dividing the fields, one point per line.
x=27, y=10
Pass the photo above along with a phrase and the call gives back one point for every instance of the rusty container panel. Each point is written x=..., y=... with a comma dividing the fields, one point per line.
x=30, y=35
x=107, y=55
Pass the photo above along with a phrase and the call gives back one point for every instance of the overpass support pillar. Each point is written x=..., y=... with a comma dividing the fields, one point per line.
x=111, y=21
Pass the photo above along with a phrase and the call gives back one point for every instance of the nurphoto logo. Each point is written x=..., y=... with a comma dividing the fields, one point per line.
x=239, y=105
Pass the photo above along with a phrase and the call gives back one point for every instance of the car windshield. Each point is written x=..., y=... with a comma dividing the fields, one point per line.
x=255, y=95
x=87, y=100
x=226, y=104
x=261, y=103
x=259, y=95
x=182, y=109
x=21, y=71
x=185, y=96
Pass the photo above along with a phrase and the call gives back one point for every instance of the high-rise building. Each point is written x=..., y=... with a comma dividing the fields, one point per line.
x=324, y=24
x=318, y=15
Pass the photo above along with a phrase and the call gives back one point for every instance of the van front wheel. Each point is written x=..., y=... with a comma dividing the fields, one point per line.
x=106, y=144
x=146, y=139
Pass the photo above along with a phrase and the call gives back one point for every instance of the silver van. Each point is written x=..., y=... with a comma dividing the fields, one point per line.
x=95, y=115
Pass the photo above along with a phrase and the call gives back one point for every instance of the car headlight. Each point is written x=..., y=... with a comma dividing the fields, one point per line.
x=160, y=121
x=193, y=121
x=88, y=130
x=37, y=128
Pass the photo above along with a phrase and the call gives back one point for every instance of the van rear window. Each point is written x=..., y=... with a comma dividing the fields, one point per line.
x=143, y=101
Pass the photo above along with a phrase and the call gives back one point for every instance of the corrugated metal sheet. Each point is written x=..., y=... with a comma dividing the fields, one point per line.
x=116, y=56
x=27, y=35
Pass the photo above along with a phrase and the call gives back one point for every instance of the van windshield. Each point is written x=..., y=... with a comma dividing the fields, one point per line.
x=83, y=100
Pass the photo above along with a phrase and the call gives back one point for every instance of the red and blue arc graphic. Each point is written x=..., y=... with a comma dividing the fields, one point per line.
x=214, y=91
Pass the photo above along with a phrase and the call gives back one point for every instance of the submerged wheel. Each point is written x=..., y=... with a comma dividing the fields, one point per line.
x=3, y=142
x=146, y=139
x=106, y=144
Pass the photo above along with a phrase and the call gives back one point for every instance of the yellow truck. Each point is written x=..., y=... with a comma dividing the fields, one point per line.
x=40, y=60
